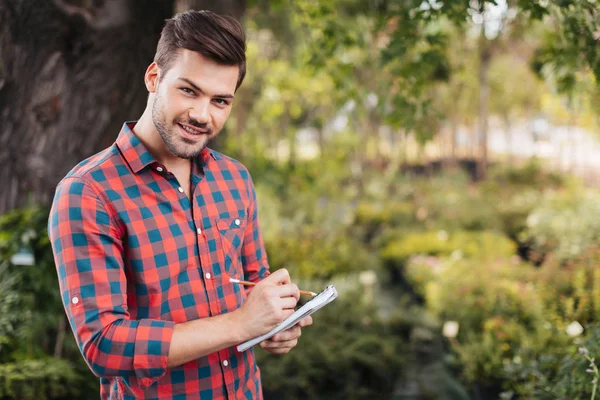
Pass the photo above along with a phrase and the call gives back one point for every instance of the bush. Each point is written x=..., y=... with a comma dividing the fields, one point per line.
x=572, y=291
x=578, y=375
x=514, y=209
x=372, y=219
x=41, y=379
x=29, y=291
x=512, y=316
x=310, y=254
x=565, y=224
x=30, y=318
x=531, y=175
x=478, y=245
x=348, y=353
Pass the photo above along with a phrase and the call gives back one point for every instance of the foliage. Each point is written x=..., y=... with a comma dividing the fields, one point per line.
x=572, y=291
x=573, y=46
x=348, y=353
x=566, y=224
x=482, y=246
x=308, y=253
x=577, y=377
x=531, y=175
x=501, y=313
x=30, y=318
x=31, y=288
x=340, y=72
x=513, y=317
x=41, y=379
x=514, y=192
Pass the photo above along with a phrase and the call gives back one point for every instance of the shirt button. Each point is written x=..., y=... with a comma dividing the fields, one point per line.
x=199, y=231
x=180, y=189
x=207, y=275
x=159, y=169
x=237, y=222
x=75, y=300
x=225, y=363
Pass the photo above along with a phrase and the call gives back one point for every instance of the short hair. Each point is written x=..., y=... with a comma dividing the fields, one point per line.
x=220, y=38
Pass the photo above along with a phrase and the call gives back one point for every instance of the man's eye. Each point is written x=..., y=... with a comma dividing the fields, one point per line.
x=221, y=102
x=187, y=90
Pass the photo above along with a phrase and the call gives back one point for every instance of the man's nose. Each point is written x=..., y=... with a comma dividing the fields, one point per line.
x=199, y=111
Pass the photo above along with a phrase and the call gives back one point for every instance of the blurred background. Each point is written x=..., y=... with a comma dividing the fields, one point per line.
x=436, y=160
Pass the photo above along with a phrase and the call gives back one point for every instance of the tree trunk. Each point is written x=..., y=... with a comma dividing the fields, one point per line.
x=69, y=77
x=484, y=94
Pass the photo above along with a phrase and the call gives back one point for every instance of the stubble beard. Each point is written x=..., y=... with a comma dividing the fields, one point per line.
x=189, y=151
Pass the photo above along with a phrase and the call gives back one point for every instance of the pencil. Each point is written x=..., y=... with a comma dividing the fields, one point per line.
x=248, y=283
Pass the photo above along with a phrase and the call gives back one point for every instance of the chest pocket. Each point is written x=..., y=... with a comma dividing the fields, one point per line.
x=231, y=233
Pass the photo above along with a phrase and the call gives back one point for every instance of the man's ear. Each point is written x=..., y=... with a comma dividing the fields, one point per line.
x=152, y=77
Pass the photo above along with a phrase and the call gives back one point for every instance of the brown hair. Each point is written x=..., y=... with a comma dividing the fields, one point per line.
x=220, y=38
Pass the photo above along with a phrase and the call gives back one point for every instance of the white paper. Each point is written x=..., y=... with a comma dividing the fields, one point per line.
x=320, y=300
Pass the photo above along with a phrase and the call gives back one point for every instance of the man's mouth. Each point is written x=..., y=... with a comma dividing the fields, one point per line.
x=193, y=130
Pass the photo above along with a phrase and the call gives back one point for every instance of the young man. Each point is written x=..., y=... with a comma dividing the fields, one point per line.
x=147, y=233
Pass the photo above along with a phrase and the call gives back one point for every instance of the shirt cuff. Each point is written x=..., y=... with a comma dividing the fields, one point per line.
x=152, y=344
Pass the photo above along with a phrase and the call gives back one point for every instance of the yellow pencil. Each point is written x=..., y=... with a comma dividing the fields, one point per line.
x=248, y=283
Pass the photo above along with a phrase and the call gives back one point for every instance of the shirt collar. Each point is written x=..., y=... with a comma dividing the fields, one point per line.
x=138, y=156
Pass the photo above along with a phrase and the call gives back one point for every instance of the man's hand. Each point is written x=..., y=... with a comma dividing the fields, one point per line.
x=271, y=301
x=285, y=341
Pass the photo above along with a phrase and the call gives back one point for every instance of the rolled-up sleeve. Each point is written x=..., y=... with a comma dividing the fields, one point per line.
x=254, y=256
x=88, y=252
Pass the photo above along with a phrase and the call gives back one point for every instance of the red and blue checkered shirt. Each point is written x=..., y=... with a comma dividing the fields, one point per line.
x=135, y=255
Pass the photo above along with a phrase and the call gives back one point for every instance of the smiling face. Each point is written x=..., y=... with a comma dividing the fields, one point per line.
x=191, y=101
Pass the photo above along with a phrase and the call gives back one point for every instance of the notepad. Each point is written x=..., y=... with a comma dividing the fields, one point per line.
x=316, y=303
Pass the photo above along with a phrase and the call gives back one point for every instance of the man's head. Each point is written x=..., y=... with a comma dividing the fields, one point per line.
x=199, y=64
x=217, y=37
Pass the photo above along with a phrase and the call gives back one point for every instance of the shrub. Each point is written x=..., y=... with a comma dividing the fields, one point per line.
x=311, y=254
x=30, y=291
x=531, y=174
x=372, y=219
x=40, y=379
x=512, y=316
x=348, y=353
x=578, y=375
x=478, y=245
x=30, y=318
x=565, y=224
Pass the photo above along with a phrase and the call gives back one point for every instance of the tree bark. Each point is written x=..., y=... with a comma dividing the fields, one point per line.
x=69, y=77
x=71, y=72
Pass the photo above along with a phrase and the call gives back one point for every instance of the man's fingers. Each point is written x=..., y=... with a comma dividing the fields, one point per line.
x=288, y=303
x=281, y=276
x=288, y=290
x=271, y=345
x=306, y=321
x=290, y=334
x=282, y=350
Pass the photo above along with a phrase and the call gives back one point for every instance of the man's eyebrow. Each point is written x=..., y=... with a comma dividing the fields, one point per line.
x=192, y=84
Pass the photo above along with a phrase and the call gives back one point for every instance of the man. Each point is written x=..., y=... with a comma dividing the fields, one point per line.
x=147, y=233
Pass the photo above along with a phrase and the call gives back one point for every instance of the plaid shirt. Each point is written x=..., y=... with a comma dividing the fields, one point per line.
x=135, y=255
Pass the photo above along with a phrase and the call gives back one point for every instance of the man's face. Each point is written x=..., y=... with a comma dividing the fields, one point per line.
x=192, y=102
